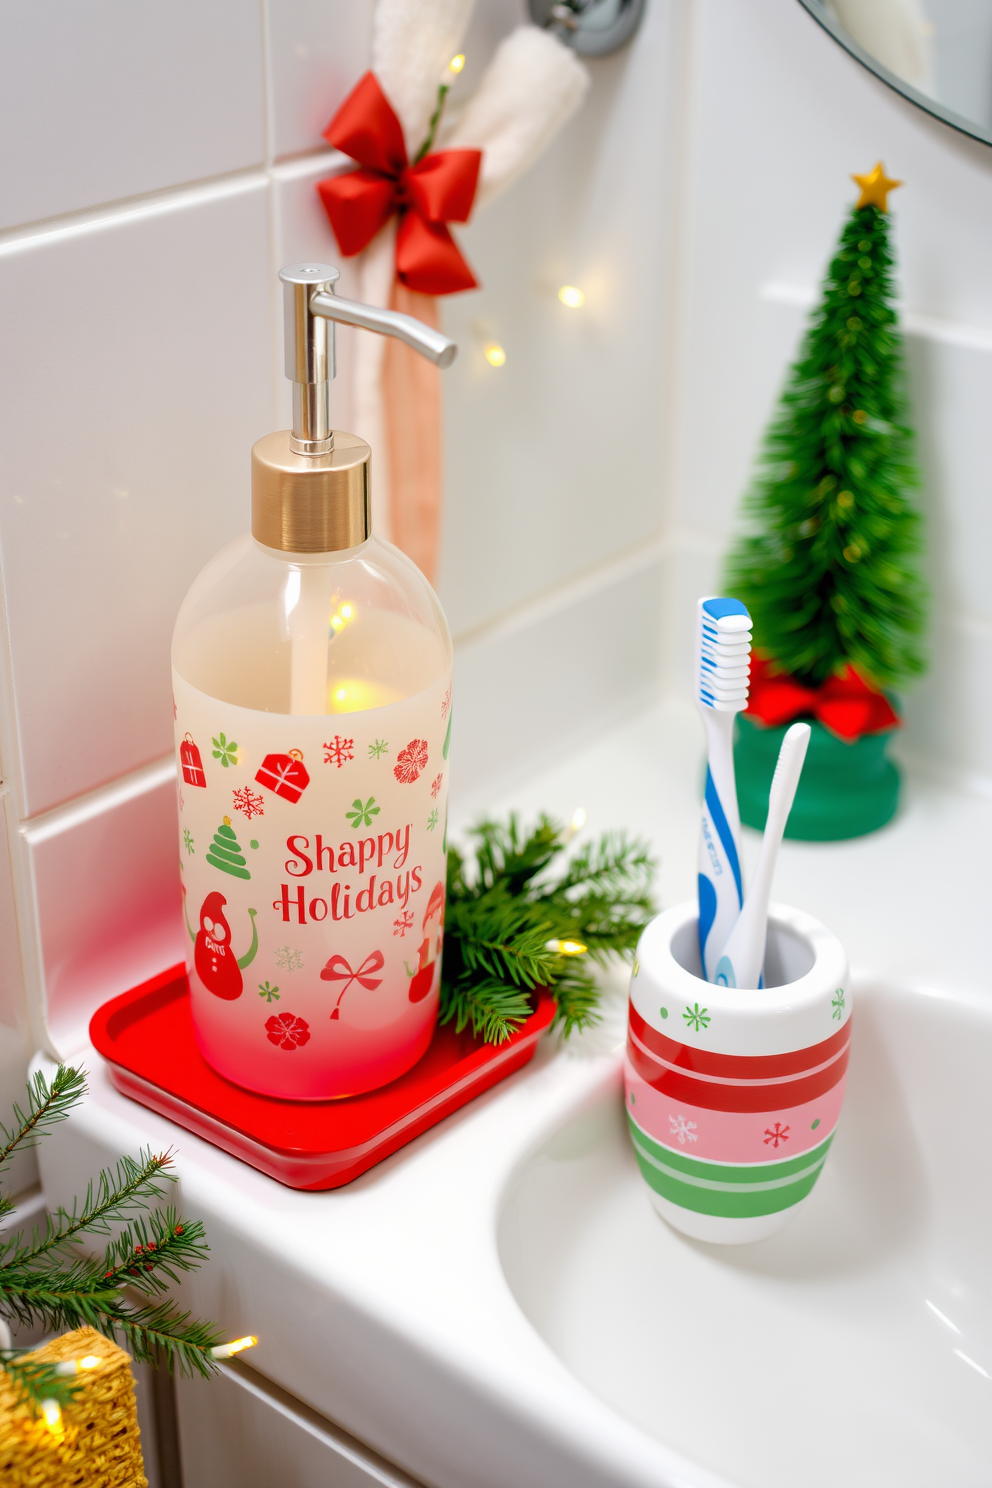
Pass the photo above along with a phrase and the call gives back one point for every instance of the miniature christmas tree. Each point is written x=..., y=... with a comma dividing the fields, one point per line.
x=829, y=567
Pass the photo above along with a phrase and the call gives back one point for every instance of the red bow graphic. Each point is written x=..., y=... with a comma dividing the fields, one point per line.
x=338, y=970
x=438, y=189
x=845, y=704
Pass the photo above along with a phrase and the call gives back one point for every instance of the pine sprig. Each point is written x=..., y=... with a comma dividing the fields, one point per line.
x=506, y=916
x=49, y=1280
x=117, y=1194
x=47, y=1105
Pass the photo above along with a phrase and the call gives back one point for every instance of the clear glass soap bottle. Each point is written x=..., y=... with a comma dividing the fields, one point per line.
x=312, y=679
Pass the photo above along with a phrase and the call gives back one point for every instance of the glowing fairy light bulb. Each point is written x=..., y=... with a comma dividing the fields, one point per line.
x=69, y=1367
x=51, y=1414
x=346, y=611
x=495, y=355
x=567, y=947
x=227, y=1350
x=572, y=296
x=576, y=824
x=456, y=64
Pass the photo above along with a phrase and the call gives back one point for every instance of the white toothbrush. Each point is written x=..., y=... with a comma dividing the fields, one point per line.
x=744, y=954
x=723, y=660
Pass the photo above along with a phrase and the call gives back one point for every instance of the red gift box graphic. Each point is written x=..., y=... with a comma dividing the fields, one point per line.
x=192, y=764
x=285, y=774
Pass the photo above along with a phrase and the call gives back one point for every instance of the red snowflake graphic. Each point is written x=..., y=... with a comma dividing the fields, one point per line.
x=402, y=925
x=775, y=1134
x=445, y=704
x=436, y=784
x=286, y=1030
x=410, y=761
x=338, y=751
x=248, y=802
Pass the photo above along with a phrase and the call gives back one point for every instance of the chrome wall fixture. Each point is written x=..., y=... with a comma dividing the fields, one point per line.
x=593, y=28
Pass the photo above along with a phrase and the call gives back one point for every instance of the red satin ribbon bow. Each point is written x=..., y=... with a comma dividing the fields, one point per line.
x=439, y=189
x=845, y=704
x=338, y=970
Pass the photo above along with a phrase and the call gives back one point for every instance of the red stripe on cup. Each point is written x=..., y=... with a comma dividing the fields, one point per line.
x=737, y=1066
x=739, y=1095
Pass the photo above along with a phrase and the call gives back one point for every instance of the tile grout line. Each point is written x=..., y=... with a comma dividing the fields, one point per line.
x=81, y=809
x=152, y=203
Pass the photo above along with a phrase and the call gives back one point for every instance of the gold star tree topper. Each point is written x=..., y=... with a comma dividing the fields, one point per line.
x=875, y=188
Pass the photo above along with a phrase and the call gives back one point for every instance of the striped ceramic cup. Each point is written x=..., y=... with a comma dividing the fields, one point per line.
x=733, y=1096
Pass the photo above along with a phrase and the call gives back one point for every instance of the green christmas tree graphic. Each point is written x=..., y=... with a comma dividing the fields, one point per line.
x=224, y=852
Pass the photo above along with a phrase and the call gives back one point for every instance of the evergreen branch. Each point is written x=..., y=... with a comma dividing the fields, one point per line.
x=36, y=1381
x=117, y=1194
x=147, y=1253
x=494, y=1009
x=506, y=913
x=47, y=1105
x=159, y=1334
x=577, y=997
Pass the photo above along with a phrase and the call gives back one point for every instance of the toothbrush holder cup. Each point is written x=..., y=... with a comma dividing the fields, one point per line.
x=733, y=1096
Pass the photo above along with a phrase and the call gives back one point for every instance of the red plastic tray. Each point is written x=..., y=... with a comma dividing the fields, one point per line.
x=146, y=1036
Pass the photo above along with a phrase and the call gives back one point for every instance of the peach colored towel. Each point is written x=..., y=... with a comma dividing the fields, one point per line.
x=412, y=406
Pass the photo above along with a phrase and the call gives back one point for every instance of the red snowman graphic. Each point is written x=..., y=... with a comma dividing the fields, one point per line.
x=430, y=947
x=213, y=956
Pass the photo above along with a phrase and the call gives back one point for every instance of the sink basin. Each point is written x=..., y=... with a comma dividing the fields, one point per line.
x=853, y=1348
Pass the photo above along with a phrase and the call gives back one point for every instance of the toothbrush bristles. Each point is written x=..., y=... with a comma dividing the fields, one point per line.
x=724, y=655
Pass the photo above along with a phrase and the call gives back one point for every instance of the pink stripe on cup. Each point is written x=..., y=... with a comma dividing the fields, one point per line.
x=731, y=1136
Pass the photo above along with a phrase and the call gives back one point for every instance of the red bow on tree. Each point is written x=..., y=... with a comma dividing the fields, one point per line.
x=438, y=189
x=845, y=704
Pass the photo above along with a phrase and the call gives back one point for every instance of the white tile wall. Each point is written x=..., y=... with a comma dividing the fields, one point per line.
x=111, y=99
x=317, y=50
x=555, y=674
x=554, y=461
x=149, y=333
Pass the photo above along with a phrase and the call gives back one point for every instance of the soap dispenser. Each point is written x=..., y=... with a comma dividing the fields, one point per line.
x=312, y=675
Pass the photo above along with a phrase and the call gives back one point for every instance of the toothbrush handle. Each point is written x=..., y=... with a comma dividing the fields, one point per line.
x=721, y=890
x=744, y=951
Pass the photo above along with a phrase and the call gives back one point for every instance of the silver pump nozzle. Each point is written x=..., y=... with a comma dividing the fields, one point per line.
x=309, y=303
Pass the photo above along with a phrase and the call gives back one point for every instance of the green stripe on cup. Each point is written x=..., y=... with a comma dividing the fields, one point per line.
x=729, y=1172
x=738, y=1191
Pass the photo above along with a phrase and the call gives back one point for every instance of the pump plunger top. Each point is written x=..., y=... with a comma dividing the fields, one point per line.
x=310, y=486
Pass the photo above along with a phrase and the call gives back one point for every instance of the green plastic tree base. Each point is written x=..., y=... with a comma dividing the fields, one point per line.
x=845, y=790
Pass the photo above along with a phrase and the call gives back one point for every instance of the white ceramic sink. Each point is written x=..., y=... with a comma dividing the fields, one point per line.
x=853, y=1348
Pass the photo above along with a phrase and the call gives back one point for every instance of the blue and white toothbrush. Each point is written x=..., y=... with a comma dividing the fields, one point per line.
x=744, y=953
x=723, y=661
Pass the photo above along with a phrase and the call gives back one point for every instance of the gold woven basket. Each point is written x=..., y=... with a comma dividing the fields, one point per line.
x=98, y=1446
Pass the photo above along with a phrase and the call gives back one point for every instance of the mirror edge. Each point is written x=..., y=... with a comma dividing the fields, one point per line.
x=929, y=105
